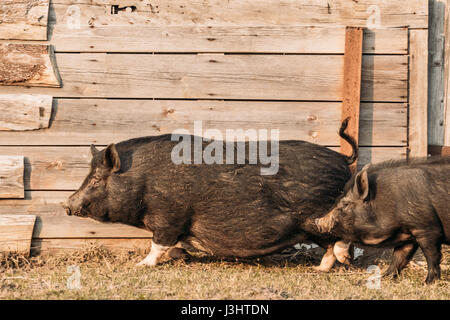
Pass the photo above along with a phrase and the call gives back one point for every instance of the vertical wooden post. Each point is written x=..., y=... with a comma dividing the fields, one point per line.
x=436, y=71
x=352, y=86
x=447, y=76
x=418, y=93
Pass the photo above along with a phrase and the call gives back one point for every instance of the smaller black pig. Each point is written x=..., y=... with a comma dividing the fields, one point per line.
x=397, y=204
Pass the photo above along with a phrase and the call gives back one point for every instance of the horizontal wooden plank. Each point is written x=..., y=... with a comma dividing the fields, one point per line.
x=237, y=39
x=27, y=65
x=412, y=13
x=11, y=176
x=64, y=168
x=16, y=232
x=24, y=19
x=24, y=112
x=98, y=121
x=75, y=227
x=280, y=77
x=39, y=203
x=57, y=246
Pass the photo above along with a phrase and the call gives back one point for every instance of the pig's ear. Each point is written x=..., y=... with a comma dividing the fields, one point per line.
x=361, y=186
x=94, y=150
x=112, y=159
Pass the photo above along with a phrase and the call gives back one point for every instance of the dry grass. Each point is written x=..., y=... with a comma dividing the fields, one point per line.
x=111, y=275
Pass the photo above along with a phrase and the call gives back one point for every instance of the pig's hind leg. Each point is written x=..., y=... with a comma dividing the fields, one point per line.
x=177, y=253
x=401, y=256
x=431, y=249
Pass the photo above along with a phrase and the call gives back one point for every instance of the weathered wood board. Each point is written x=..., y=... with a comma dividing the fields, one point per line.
x=398, y=13
x=11, y=177
x=352, y=88
x=76, y=227
x=64, y=168
x=39, y=203
x=437, y=75
x=27, y=65
x=86, y=121
x=16, y=232
x=446, y=81
x=188, y=76
x=24, y=19
x=418, y=93
x=237, y=39
x=55, y=246
x=24, y=112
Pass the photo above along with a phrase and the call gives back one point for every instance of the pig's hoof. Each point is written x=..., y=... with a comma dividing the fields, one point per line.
x=431, y=278
x=391, y=274
x=345, y=260
x=144, y=263
x=178, y=254
x=321, y=269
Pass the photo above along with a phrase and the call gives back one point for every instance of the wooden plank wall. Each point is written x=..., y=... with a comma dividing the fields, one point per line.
x=234, y=64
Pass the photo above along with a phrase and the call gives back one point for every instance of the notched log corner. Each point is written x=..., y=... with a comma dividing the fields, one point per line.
x=16, y=232
x=24, y=19
x=28, y=65
x=11, y=177
x=23, y=112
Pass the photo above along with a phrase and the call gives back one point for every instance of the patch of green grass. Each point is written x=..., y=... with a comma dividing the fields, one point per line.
x=109, y=275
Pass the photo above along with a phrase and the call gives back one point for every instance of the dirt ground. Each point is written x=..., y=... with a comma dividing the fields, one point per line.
x=103, y=274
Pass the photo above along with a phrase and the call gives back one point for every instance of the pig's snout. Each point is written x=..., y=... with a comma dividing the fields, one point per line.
x=66, y=207
x=72, y=205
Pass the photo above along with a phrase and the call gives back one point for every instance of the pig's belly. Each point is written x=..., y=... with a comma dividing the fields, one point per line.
x=242, y=248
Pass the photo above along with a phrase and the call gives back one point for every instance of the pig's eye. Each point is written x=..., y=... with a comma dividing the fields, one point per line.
x=345, y=205
x=94, y=182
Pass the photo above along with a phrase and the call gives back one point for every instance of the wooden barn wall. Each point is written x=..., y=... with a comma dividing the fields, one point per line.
x=159, y=65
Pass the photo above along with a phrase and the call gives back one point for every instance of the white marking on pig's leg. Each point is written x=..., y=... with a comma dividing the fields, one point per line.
x=342, y=252
x=327, y=262
x=156, y=252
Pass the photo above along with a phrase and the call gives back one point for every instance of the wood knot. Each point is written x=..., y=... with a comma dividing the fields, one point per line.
x=166, y=112
x=58, y=165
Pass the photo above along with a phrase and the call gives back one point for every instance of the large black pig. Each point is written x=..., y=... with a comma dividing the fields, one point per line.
x=397, y=204
x=228, y=210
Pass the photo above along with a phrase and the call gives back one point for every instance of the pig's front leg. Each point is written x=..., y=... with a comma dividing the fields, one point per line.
x=156, y=252
x=166, y=228
x=327, y=261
